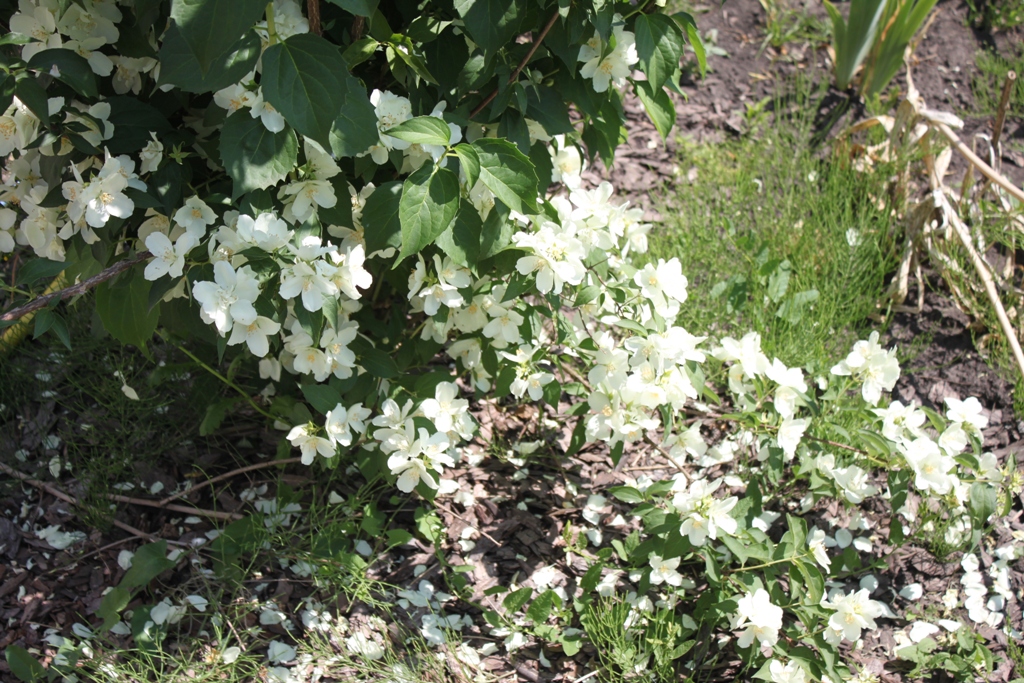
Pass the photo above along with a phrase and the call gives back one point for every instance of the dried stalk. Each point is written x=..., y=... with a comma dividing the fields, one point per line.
x=986, y=170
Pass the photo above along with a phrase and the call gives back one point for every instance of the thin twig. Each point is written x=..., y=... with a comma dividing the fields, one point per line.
x=474, y=528
x=57, y=493
x=75, y=290
x=522, y=64
x=664, y=453
x=1004, y=100
x=184, y=509
x=227, y=475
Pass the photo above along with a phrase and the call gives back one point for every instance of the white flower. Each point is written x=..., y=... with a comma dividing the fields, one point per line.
x=168, y=258
x=234, y=97
x=446, y=410
x=853, y=613
x=761, y=619
x=254, y=334
x=614, y=67
x=967, y=412
x=789, y=673
x=703, y=514
x=341, y=422
x=195, y=216
x=229, y=298
x=305, y=439
x=302, y=198
x=747, y=351
x=266, y=231
x=790, y=434
x=557, y=257
x=897, y=419
x=151, y=155
x=391, y=110
x=269, y=117
x=931, y=466
x=664, y=571
x=566, y=163
x=664, y=285
x=816, y=544
x=877, y=368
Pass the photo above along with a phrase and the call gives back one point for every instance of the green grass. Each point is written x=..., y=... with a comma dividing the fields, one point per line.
x=764, y=234
x=995, y=14
x=987, y=85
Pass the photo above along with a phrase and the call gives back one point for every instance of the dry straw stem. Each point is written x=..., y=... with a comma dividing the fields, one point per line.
x=986, y=170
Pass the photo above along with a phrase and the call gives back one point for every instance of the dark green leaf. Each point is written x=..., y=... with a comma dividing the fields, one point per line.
x=508, y=173
x=430, y=200
x=461, y=241
x=124, y=309
x=254, y=157
x=112, y=605
x=34, y=97
x=491, y=23
x=210, y=28
x=982, y=499
x=541, y=607
x=74, y=69
x=381, y=225
x=659, y=107
x=148, y=562
x=686, y=22
x=215, y=413
x=133, y=122
x=359, y=51
x=321, y=396
x=362, y=8
x=355, y=129
x=178, y=65
x=23, y=665
x=304, y=78
x=422, y=130
x=39, y=269
x=659, y=43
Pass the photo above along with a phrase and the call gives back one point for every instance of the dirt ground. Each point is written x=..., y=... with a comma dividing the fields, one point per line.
x=61, y=589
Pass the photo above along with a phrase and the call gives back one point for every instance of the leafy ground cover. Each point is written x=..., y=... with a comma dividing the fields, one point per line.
x=372, y=581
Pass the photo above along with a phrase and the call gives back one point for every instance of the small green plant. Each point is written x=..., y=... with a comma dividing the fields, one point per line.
x=989, y=15
x=987, y=84
x=875, y=36
x=785, y=23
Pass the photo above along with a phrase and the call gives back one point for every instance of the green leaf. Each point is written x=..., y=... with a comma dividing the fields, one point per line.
x=362, y=8
x=792, y=309
x=215, y=413
x=381, y=225
x=376, y=362
x=422, y=130
x=852, y=40
x=124, y=310
x=461, y=241
x=430, y=200
x=34, y=97
x=514, y=601
x=508, y=173
x=470, y=161
x=23, y=665
x=982, y=498
x=627, y=494
x=112, y=605
x=148, y=562
x=322, y=397
x=355, y=128
x=687, y=23
x=211, y=27
x=133, y=122
x=659, y=43
x=39, y=269
x=541, y=607
x=659, y=107
x=178, y=65
x=304, y=78
x=74, y=69
x=254, y=157
x=778, y=281
x=491, y=23
x=359, y=51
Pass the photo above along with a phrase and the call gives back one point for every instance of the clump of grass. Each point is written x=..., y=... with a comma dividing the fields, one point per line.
x=778, y=238
x=987, y=85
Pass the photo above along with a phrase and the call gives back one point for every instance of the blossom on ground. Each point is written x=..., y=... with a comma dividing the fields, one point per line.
x=759, y=619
